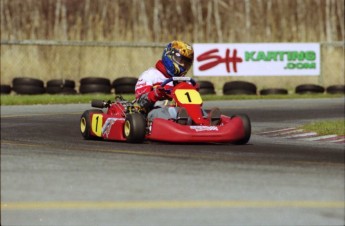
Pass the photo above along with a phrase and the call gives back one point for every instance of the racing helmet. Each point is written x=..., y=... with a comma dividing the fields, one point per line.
x=177, y=58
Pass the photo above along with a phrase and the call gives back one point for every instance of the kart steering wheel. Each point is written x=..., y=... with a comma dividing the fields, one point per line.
x=178, y=79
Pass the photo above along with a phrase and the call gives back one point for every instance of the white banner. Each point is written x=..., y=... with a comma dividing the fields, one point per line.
x=261, y=59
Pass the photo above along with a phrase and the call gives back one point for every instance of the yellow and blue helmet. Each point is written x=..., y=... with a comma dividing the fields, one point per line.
x=178, y=58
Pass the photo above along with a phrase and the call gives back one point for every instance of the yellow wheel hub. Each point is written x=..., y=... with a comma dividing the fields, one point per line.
x=83, y=125
x=127, y=128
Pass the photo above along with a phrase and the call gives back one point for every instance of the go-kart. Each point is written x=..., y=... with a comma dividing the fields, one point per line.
x=126, y=120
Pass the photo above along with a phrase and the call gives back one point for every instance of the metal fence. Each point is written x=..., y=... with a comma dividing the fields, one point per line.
x=46, y=60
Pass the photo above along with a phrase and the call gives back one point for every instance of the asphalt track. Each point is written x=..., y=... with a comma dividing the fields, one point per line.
x=51, y=176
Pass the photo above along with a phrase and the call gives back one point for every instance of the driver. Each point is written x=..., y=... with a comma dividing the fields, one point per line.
x=177, y=58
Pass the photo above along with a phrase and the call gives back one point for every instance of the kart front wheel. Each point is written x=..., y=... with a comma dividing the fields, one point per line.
x=246, y=127
x=85, y=124
x=134, y=129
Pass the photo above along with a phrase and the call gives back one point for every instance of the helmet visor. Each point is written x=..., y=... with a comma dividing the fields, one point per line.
x=182, y=60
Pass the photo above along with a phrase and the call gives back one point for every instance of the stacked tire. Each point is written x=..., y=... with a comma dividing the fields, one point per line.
x=28, y=86
x=94, y=85
x=6, y=89
x=273, y=91
x=206, y=87
x=336, y=89
x=61, y=86
x=239, y=88
x=309, y=89
x=124, y=85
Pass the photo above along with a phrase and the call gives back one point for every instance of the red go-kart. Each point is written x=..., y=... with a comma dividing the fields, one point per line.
x=126, y=121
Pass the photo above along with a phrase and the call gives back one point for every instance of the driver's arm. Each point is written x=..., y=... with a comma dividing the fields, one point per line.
x=148, y=99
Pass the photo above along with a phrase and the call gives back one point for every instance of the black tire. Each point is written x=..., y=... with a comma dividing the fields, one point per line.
x=28, y=89
x=85, y=124
x=60, y=90
x=6, y=89
x=205, y=85
x=206, y=91
x=94, y=88
x=131, y=81
x=239, y=92
x=247, y=129
x=95, y=81
x=125, y=89
x=309, y=88
x=134, y=129
x=61, y=83
x=336, y=89
x=27, y=82
x=273, y=91
x=239, y=87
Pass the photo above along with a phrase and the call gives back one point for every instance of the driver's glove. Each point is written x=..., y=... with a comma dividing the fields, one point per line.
x=156, y=94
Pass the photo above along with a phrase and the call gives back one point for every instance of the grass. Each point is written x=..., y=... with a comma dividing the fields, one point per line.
x=86, y=98
x=327, y=127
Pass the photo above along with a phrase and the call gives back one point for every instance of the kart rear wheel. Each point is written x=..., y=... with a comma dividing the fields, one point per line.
x=247, y=129
x=85, y=124
x=134, y=129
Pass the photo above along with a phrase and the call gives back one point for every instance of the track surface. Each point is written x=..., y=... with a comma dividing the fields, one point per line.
x=51, y=176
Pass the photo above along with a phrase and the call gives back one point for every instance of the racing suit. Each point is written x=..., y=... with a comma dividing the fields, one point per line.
x=150, y=95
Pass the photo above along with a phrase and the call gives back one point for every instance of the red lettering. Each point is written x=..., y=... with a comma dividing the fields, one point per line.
x=218, y=60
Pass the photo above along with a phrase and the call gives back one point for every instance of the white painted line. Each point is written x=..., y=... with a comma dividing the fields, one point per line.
x=302, y=135
x=320, y=137
x=287, y=132
x=275, y=131
x=336, y=141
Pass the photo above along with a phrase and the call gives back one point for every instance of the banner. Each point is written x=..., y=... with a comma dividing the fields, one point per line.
x=260, y=59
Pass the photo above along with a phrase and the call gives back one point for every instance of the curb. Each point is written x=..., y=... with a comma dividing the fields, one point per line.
x=300, y=134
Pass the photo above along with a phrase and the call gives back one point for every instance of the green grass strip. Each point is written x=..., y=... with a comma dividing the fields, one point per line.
x=14, y=99
x=326, y=127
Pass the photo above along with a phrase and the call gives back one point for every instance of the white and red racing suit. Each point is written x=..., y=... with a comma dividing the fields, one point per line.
x=145, y=90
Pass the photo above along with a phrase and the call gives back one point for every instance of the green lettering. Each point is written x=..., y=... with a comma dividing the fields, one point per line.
x=261, y=56
x=272, y=56
x=250, y=56
x=300, y=66
x=282, y=55
x=290, y=66
x=301, y=56
x=310, y=55
x=309, y=65
x=292, y=56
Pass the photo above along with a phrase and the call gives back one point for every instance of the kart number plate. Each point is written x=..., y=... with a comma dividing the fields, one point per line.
x=188, y=96
x=97, y=120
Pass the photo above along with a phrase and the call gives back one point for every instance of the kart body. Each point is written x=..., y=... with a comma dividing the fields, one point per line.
x=126, y=121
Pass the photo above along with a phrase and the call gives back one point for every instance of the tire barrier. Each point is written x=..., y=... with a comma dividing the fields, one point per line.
x=309, y=88
x=61, y=86
x=28, y=86
x=6, y=89
x=94, y=85
x=206, y=87
x=336, y=89
x=27, y=81
x=239, y=87
x=124, y=85
x=273, y=91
